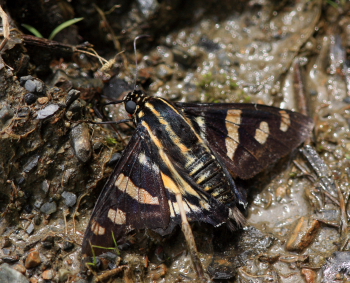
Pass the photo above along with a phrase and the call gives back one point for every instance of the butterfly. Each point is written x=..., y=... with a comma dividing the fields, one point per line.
x=182, y=161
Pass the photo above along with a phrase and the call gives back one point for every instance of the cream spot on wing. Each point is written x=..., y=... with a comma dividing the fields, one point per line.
x=174, y=208
x=97, y=229
x=189, y=207
x=172, y=212
x=117, y=216
x=201, y=123
x=142, y=158
x=126, y=185
x=262, y=133
x=285, y=121
x=233, y=121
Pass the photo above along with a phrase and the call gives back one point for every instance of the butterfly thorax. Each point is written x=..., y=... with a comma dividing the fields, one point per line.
x=175, y=139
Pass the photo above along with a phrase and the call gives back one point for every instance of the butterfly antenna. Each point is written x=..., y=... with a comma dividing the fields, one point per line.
x=136, y=38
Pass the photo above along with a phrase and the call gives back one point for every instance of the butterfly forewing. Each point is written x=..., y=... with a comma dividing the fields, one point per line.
x=248, y=137
x=133, y=198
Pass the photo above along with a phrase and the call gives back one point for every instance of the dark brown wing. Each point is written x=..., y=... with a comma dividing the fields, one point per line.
x=134, y=197
x=248, y=137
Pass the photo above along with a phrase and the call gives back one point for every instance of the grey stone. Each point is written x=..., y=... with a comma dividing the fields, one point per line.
x=48, y=207
x=69, y=198
x=38, y=203
x=80, y=139
x=40, y=86
x=30, y=86
x=23, y=79
x=30, y=229
x=31, y=163
x=9, y=275
x=47, y=111
x=73, y=94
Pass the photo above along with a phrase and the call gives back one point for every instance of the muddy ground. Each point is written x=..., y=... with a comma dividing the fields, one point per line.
x=290, y=54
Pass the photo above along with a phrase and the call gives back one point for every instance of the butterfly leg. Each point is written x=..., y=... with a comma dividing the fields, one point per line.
x=186, y=229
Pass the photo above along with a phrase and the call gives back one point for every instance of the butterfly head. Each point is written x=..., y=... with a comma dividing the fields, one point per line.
x=134, y=101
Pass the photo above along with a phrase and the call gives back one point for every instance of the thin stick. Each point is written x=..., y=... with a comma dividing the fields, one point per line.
x=6, y=28
x=186, y=229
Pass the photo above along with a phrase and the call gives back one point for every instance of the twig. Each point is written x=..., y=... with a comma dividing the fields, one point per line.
x=6, y=28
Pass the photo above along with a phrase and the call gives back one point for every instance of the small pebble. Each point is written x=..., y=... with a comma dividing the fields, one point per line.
x=37, y=219
x=49, y=207
x=23, y=79
x=45, y=186
x=69, y=198
x=38, y=203
x=30, y=86
x=30, y=228
x=6, y=251
x=5, y=242
x=48, y=274
x=43, y=100
x=48, y=242
x=30, y=98
x=31, y=163
x=80, y=138
x=47, y=111
x=39, y=86
x=309, y=275
x=32, y=260
x=67, y=246
x=73, y=94
x=10, y=259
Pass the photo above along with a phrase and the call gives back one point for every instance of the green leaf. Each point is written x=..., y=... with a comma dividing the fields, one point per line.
x=63, y=26
x=33, y=30
x=333, y=4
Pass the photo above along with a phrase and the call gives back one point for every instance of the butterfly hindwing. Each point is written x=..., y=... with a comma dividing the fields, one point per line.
x=248, y=137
